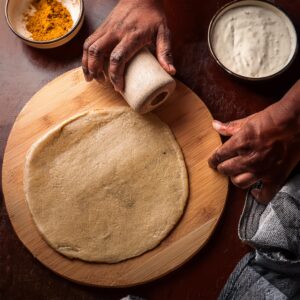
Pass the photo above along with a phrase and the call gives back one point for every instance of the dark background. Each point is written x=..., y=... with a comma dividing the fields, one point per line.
x=24, y=70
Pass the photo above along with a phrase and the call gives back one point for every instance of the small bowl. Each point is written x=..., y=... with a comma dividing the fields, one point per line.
x=14, y=13
x=261, y=4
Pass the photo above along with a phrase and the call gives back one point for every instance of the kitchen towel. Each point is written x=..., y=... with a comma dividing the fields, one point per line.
x=272, y=271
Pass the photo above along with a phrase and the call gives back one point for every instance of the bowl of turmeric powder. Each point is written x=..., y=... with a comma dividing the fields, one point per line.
x=45, y=23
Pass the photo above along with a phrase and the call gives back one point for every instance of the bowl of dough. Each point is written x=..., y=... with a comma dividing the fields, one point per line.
x=45, y=23
x=253, y=40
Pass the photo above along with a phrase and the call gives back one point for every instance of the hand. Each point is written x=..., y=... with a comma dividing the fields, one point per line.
x=131, y=26
x=262, y=147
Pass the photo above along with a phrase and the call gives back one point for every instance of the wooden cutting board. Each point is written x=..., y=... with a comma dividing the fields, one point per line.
x=189, y=120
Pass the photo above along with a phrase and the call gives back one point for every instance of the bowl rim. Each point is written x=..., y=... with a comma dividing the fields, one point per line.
x=209, y=37
x=49, y=41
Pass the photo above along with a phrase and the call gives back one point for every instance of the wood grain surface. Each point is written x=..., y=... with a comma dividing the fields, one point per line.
x=190, y=122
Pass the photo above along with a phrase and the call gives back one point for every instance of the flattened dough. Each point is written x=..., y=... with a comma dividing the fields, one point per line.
x=106, y=185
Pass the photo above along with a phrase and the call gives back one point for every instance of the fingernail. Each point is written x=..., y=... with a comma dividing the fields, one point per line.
x=256, y=193
x=172, y=69
x=211, y=165
x=217, y=125
x=86, y=74
x=85, y=70
x=106, y=78
x=88, y=78
x=113, y=79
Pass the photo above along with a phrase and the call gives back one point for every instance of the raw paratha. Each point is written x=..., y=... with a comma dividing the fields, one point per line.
x=106, y=185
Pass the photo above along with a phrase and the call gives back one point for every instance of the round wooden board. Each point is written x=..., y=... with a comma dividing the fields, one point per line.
x=190, y=122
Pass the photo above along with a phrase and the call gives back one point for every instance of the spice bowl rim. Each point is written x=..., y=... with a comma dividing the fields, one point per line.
x=235, y=3
x=78, y=22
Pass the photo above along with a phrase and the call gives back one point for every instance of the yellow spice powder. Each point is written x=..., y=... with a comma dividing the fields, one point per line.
x=50, y=20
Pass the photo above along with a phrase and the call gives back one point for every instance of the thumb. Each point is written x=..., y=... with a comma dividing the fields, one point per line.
x=229, y=128
x=163, y=49
x=266, y=194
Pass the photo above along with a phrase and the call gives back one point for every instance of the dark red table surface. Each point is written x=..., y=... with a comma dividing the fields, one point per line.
x=24, y=70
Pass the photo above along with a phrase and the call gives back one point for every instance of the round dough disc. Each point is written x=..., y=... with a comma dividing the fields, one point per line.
x=106, y=185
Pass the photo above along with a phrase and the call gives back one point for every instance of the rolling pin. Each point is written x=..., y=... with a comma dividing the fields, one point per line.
x=147, y=84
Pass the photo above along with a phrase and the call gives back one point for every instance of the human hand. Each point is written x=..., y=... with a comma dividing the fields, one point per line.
x=131, y=26
x=262, y=147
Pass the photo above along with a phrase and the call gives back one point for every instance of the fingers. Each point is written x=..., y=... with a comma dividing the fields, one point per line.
x=99, y=47
x=95, y=52
x=84, y=61
x=223, y=153
x=163, y=49
x=119, y=57
x=96, y=58
x=88, y=42
x=244, y=181
x=233, y=166
x=230, y=128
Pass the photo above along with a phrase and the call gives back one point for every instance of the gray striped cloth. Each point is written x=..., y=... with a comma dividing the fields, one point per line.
x=272, y=270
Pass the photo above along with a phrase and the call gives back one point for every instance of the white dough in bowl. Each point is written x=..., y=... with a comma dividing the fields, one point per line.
x=254, y=41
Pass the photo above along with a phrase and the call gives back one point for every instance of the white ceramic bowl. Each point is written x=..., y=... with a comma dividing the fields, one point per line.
x=262, y=4
x=14, y=13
